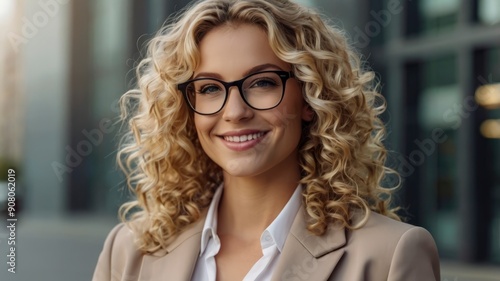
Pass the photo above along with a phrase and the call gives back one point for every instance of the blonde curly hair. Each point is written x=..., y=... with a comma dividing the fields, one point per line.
x=341, y=153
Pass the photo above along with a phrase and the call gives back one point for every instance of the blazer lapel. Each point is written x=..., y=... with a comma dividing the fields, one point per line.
x=178, y=260
x=306, y=256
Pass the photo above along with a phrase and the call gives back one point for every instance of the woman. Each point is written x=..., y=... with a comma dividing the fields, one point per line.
x=255, y=153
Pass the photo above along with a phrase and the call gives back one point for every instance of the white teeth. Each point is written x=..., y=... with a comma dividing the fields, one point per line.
x=243, y=138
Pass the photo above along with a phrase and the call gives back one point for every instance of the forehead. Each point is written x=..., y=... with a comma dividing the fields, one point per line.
x=230, y=50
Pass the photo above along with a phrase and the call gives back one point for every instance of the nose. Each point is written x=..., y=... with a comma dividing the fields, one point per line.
x=236, y=109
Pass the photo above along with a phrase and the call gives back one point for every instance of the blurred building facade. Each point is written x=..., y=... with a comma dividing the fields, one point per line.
x=432, y=57
x=10, y=98
x=77, y=59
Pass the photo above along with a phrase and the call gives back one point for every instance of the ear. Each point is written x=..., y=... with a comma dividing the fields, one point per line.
x=307, y=112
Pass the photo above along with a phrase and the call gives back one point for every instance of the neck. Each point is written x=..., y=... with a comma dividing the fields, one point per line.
x=249, y=205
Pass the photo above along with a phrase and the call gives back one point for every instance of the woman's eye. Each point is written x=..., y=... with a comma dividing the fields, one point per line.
x=209, y=89
x=264, y=83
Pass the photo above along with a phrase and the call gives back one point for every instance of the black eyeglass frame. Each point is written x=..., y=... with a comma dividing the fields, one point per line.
x=284, y=75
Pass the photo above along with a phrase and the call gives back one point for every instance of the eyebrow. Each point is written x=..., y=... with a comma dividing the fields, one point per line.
x=254, y=69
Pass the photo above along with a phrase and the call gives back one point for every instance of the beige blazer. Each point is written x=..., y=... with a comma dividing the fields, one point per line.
x=383, y=249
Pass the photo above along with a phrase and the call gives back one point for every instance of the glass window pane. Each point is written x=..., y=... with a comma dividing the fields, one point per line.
x=491, y=151
x=437, y=16
x=438, y=142
x=488, y=11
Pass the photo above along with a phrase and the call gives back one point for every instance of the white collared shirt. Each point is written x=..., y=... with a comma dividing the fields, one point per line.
x=272, y=241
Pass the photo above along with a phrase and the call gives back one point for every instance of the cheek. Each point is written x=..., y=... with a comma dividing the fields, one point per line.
x=289, y=113
x=203, y=128
x=285, y=119
x=201, y=123
x=288, y=121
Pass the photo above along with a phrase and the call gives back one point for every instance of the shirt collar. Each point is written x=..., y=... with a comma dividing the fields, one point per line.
x=210, y=226
x=282, y=224
x=278, y=229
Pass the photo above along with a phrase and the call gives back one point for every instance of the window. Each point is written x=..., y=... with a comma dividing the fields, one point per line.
x=488, y=11
x=432, y=17
x=488, y=149
x=431, y=147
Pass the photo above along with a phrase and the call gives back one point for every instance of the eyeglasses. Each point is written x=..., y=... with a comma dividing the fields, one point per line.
x=260, y=91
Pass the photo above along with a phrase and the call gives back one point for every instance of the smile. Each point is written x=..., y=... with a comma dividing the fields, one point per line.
x=243, y=138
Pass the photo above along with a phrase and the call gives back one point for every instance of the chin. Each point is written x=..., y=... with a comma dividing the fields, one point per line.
x=240, y=168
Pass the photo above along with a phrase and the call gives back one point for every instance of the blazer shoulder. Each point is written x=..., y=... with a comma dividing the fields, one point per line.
x=415, y=257
x=381, y=231
x=121, y=258
x=121, y=241
x=119, y=254
x=394, y=250
x=378, y=222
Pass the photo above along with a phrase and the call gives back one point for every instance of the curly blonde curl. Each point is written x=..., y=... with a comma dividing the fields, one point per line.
x=341, y=153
